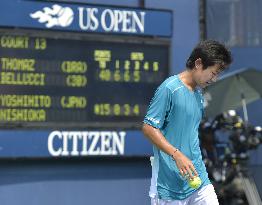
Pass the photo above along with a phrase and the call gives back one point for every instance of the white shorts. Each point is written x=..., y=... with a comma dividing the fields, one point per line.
x=204, y=196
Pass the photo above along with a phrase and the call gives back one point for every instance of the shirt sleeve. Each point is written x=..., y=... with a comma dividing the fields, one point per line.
x=159, y=107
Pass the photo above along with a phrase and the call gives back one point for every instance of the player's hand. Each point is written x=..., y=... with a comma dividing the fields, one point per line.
x=184, y=165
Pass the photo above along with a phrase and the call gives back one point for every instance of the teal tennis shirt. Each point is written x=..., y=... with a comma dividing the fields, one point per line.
x=176, y=111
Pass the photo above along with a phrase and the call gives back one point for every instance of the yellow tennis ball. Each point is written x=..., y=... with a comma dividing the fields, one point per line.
x=195, y=182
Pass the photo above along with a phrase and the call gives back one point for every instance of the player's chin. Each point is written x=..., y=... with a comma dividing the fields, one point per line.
x=204, y=85
x=207, y=84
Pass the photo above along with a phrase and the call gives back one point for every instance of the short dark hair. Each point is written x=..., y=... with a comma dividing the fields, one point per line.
x=211, y=52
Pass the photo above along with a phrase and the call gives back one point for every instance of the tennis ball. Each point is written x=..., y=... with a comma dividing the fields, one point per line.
x=195, y=182
x=65, y=16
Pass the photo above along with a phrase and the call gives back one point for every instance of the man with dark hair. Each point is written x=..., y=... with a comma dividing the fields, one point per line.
x=171, y=124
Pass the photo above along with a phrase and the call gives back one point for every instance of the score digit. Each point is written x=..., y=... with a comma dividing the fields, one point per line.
x=40, y=44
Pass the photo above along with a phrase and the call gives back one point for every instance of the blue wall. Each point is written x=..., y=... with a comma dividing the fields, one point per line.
x=75, y=182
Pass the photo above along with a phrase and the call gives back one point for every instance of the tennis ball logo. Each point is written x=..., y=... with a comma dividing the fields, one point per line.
x=195, y=182
x=65, y=16
x=55, y=16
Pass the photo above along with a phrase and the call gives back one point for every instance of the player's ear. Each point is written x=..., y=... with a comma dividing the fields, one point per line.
x=198, y=63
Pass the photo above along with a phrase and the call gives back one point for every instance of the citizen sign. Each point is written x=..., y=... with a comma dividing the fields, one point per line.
x=92, y=19
x=83, y=143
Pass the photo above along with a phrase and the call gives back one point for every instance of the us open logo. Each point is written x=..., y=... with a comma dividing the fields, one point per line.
x=55, y=16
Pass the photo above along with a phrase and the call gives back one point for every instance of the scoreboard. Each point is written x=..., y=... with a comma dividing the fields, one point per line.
x=76, y=79
x=52, y=80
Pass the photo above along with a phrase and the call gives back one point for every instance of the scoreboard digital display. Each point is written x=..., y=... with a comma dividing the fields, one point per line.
x=57, y=81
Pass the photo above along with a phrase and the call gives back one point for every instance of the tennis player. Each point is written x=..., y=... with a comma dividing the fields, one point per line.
x=171, y=124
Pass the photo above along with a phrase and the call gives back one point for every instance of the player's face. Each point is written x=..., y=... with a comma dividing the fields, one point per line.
x=205, y=77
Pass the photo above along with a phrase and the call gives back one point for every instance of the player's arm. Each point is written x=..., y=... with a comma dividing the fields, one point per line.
x=184, y=165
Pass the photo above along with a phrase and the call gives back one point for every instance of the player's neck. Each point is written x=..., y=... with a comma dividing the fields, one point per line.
x=187, y=78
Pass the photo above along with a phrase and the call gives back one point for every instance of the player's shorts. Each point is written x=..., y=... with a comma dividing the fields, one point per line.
x=204, y=196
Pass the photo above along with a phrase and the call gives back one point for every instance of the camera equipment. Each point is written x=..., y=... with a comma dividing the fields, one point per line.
x=225, y=144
